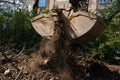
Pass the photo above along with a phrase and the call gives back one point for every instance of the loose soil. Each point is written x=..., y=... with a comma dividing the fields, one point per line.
x=61, y=67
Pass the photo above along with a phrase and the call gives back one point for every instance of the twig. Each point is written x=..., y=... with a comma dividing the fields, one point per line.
x=4, y=55
x=19, y=73
x=29, y=77
x=2, y=77
x=19, y=53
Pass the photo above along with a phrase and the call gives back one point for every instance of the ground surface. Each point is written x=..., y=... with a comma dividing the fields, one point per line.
x=25, y=67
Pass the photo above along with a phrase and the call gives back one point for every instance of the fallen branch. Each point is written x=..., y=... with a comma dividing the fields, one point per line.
x=114, y=68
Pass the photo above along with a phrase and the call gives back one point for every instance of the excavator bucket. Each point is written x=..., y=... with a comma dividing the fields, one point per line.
x=82, y=27
x=44, y=24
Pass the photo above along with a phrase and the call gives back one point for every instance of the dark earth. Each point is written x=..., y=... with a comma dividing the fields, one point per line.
x=60, y=67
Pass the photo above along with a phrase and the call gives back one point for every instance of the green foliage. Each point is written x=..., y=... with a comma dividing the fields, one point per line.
x=111, y=10
x=107, y=46
x=16, y=29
